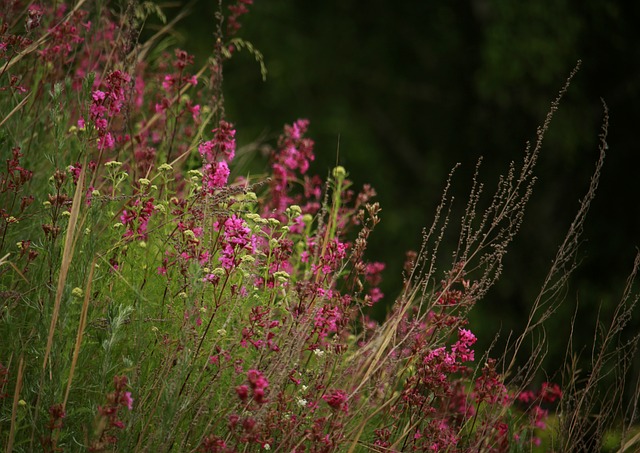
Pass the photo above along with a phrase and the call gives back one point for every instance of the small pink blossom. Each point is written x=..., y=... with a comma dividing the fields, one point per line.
x=168, y=82
x=221, y=174
x=242, y=391
x=337, y=399
x=126, y=400
x=98, y=95
x=195, y=111
x=376, y=295
x=526, y=396
x=106, y=141
x=462, y=346
x=550, y=392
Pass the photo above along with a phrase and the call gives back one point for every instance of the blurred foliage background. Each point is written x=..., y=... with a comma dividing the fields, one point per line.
x=407, y=89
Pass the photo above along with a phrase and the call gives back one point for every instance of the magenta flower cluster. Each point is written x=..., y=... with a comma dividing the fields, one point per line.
x=237, y=237
x=107, y=104
x=295, y=152
x=110, y=412
x=216, y=154
x=136, y=219
x=258, y=385
x=337, y=399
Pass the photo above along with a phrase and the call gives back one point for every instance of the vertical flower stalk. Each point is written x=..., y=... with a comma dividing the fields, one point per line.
x=108, y=417
x=216, y=154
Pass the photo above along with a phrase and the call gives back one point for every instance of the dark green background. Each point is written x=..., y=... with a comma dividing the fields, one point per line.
x=409, y=88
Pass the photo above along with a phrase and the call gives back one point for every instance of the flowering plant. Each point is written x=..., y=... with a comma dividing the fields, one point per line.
x=155, y=300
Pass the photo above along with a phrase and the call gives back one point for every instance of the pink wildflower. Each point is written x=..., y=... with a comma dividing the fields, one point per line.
x=168, y=82
x=242, y=391
x=34, y=14
x=126, y=400
x=526, y=397
x=237, y=236
x=212, y=444
x=539, y=417
x=550, y=392
x=461, y=348
x=292, y=158
x=375, y=295
x=223, y=144
x=258, y=384
x=238, y=9
x=98, y=95
x=337, y=399
x=489, y=386
x=221, y=174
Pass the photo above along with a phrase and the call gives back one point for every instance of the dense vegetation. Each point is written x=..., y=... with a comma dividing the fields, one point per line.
x=157, y=296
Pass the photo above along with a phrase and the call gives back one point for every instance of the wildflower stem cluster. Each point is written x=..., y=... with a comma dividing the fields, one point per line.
x=154, y=299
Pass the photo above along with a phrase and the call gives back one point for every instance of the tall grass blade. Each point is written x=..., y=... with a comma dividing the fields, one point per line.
x=14, y=410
